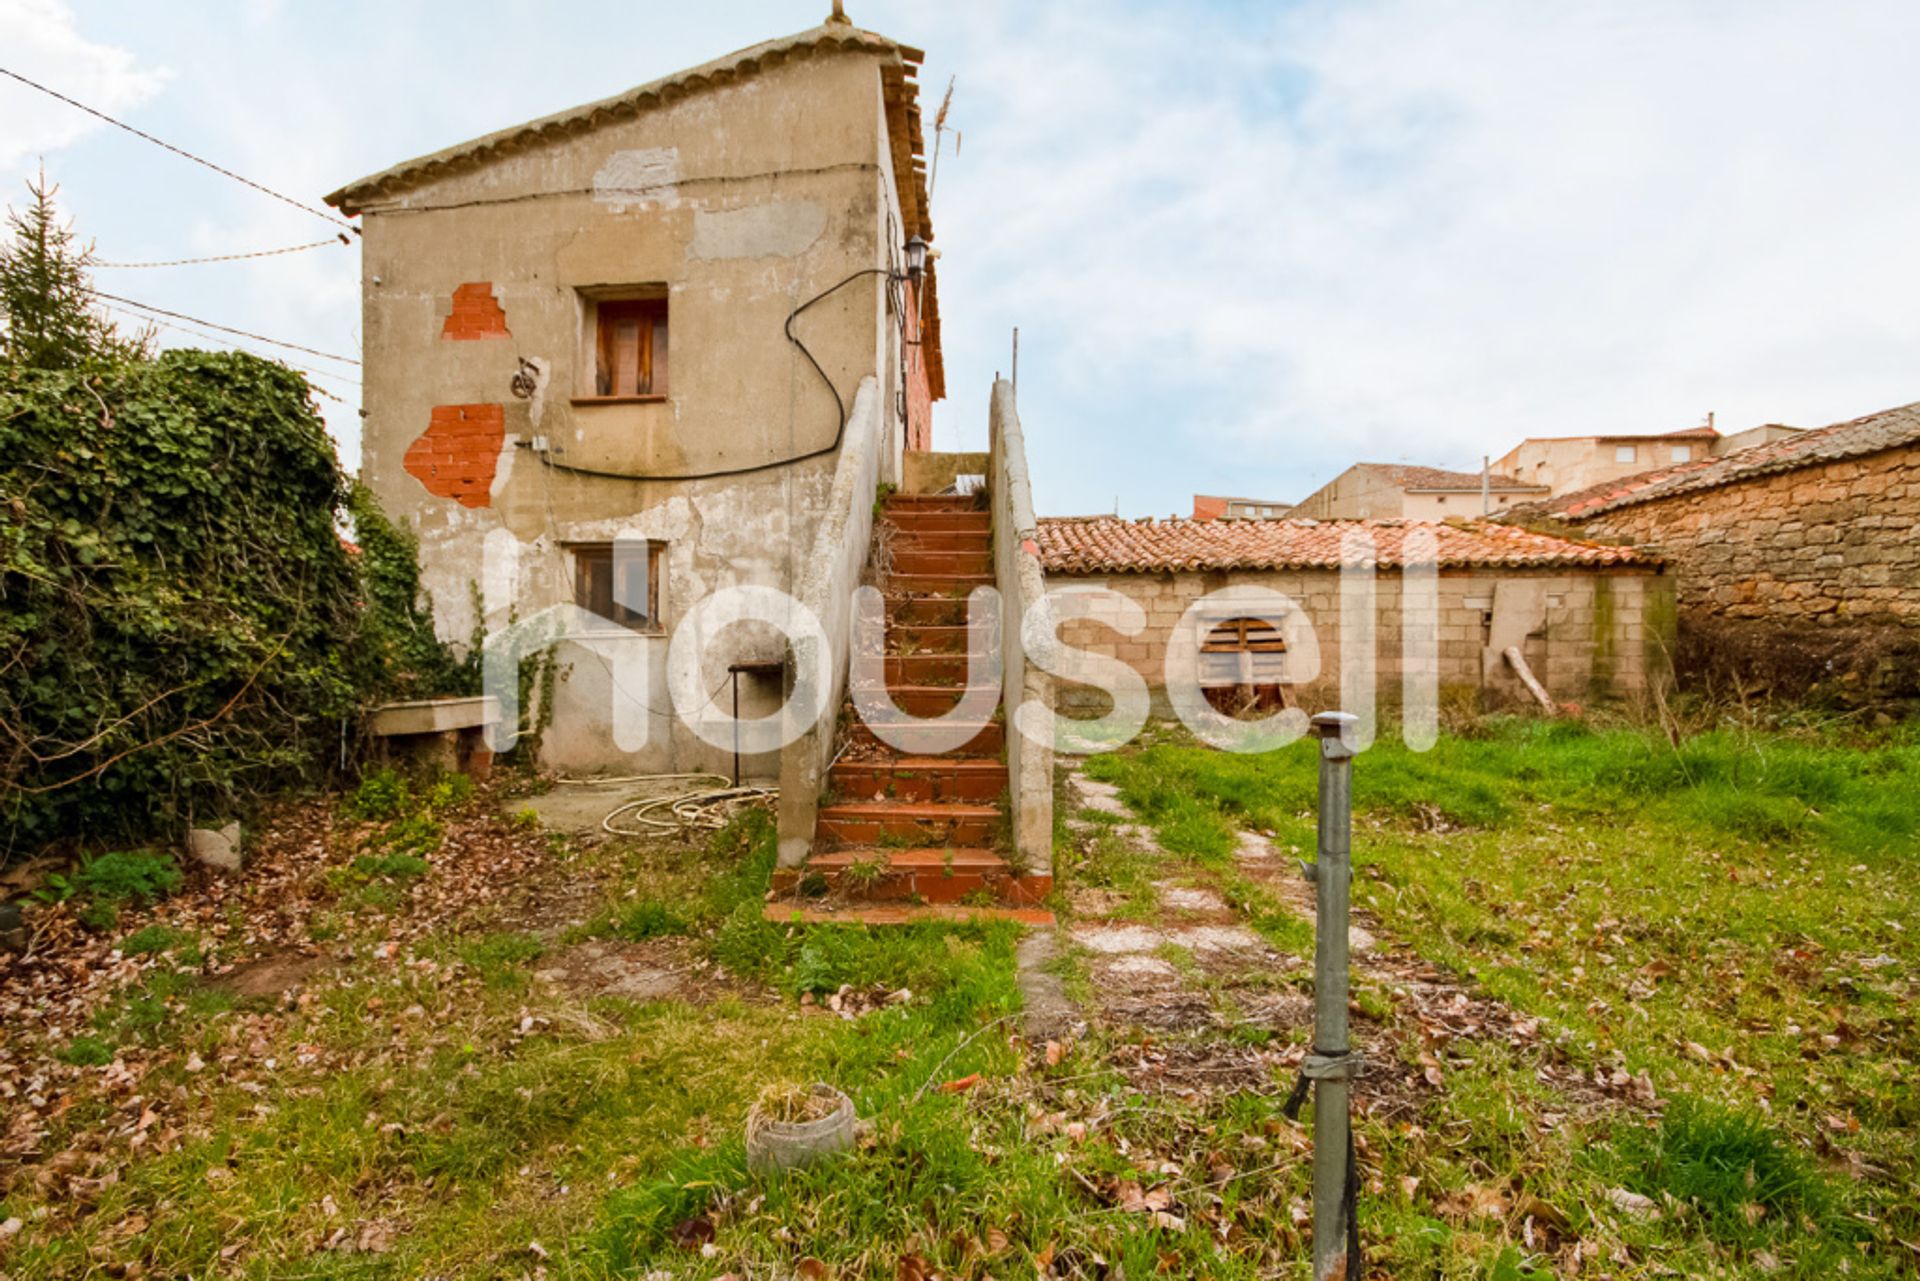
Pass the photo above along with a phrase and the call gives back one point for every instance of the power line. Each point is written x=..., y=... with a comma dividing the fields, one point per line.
x=120, y=124
x=258, y=253
x=225, y=329
x=229, y=344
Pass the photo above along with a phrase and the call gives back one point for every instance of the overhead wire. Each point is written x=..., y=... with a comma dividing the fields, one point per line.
x=231, y=345
x=225, y=329
x=181, y=151
x=258, y=253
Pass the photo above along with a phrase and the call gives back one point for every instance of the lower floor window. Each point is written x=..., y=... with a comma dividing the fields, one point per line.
x=619, y=581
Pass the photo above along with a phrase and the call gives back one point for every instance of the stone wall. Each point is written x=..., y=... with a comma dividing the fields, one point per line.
x=1587, y=634
x=1835, y=544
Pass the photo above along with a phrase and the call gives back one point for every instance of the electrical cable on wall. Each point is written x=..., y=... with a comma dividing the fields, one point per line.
x=181, y=151
x=839, y=403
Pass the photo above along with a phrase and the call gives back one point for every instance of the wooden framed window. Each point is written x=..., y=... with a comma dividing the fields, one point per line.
x=629, y=348
x=619, y=582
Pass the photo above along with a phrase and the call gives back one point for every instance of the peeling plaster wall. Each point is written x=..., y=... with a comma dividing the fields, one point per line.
x=743, y=201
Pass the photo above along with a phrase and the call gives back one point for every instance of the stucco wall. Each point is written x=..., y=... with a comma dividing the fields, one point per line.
x=1586, y=634
x=1363, y=494
x=1830, y=544
x=742, y=201
x=1355, y=494
x=1568, y=464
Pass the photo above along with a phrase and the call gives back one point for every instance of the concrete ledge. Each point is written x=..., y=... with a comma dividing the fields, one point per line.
x=433, y=716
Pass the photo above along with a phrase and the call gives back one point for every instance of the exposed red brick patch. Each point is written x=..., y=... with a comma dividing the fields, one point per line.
x=456, y=456
x=476, y=314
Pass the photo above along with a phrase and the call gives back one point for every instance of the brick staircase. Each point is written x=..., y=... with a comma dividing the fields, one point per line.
x=900, y=828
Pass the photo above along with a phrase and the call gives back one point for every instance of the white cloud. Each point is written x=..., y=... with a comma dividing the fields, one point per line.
x=42, y=42
x=1424, y=230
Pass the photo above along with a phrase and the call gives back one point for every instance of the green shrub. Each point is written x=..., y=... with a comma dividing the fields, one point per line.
x=1722, y=1162
x=119, y=877
x=155, y=939
x=396, y=867
x=649, y=918
x=382, y=794
x=85, y=1051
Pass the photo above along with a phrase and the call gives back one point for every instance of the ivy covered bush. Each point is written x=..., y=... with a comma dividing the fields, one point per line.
x=183, y=626
x=178, y=612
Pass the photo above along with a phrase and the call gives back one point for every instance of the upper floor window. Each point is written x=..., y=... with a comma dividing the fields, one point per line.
x=1625, y=454
x=628, y=347
x=1682, y=453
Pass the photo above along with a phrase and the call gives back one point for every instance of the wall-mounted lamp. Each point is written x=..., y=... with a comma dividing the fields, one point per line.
x=916, y=258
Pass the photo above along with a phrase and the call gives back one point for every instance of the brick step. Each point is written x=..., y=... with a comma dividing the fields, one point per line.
x=972, y=564
x=928, y=700
x=926, y=611
x=920, y=778
x=790, y=912
x=935, y=503
x=855, y=823
x=908, y=670
x=944, y=875
x=952, y=585
x=988, y=740
x=908, y=639
x=942, y=540
x=911, y=522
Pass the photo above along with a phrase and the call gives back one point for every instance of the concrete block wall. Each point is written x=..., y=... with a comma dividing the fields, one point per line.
x=1587, y=634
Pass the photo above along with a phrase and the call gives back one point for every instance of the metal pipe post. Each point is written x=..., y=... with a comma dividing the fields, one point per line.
x=1331, y=1066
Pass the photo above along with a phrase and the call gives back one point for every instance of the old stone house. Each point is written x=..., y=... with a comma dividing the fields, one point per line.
x=1592, y=621
x=1398, y=491
x=615, y=356
x=1812, y=532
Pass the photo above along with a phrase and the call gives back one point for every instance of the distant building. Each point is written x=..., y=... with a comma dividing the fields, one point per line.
x=1211, y=507
x=1565, y=464
x=1396, y=491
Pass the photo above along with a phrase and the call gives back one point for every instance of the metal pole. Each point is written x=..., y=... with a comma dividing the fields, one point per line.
x=736, y=726
x=1332, y=1065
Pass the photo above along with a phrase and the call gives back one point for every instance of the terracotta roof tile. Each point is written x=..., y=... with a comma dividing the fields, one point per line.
x=1888, y=429
x=1110, y=544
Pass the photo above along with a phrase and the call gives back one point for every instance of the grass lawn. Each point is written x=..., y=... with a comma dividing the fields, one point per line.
x=1724, y=928
x=1731, y=921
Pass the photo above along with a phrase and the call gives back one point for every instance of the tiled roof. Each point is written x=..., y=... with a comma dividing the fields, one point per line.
x=1408, y=477
x=1888, y=429
x=1111, y=545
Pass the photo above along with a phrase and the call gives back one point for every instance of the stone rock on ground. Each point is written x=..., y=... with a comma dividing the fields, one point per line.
x=217, y=847
x=1101, y=797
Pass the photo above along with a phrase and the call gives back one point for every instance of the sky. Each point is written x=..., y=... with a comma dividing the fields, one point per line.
x=1245, y=244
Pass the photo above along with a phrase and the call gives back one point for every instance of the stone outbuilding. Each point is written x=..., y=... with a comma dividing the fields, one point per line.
x=1808, y=545
x=1819, y=525
x=1592, y=621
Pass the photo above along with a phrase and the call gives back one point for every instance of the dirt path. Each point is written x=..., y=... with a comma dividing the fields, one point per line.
x=1214, y=1005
